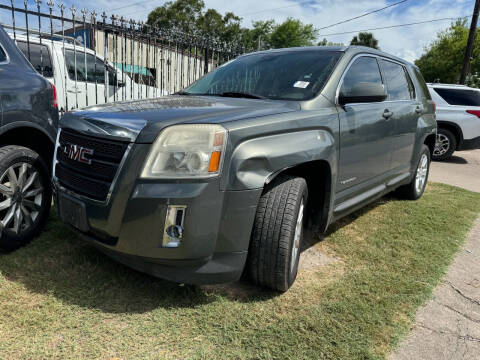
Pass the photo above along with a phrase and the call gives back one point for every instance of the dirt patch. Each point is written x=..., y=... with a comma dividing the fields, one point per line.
x=313, y=258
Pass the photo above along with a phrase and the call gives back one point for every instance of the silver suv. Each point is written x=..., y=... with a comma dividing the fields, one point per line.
x=458, y=118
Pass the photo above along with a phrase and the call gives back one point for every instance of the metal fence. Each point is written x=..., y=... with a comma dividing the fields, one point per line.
x=98, y=58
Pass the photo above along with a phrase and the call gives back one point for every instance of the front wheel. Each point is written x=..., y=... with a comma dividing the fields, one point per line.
x=277, y=233
x=25, y=196
x=416, y=188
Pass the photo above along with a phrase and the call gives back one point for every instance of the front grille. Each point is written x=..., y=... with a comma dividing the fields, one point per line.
x=92, y=180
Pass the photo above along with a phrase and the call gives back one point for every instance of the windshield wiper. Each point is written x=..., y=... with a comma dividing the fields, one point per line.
x=240, y=95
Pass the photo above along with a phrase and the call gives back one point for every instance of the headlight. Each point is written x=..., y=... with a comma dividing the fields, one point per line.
x=195, y=150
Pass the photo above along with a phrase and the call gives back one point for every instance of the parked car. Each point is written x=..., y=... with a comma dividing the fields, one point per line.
x=223, y=177
x=29, y=114
x=80, y=74
x=458, y=118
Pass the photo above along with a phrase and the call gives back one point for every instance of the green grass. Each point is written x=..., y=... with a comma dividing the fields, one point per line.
x=62, y=299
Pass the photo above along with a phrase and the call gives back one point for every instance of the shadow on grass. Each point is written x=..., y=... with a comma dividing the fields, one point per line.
x=59, y=265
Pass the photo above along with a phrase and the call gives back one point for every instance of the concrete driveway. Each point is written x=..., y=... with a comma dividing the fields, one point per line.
x=462, y=170
x=448, y=326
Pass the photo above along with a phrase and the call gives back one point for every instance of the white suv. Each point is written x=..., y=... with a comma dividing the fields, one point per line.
x=79, y=74
x=458, y=118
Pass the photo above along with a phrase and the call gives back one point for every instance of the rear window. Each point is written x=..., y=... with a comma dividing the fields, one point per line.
x=461, y=97
x=3, y=56
x=39, y=57
x=398, y=86
x=421, y=82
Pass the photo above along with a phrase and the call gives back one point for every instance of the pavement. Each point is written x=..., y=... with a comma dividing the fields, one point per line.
x=448, y=326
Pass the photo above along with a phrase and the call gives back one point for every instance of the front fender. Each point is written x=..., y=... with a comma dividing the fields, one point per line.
x=257, y=160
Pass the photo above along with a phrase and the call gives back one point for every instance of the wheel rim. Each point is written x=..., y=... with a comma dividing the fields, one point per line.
x=442, y=145
x=297, y=238
x=421, y=176
x=21, y=195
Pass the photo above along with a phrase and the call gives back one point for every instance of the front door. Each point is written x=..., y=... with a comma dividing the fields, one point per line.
x=366, y=131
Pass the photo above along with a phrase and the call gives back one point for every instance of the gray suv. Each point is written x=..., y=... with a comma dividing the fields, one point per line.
x=224, y=177
x=29, y=120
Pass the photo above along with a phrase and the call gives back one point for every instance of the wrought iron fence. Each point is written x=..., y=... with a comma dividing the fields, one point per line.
x=98, y=58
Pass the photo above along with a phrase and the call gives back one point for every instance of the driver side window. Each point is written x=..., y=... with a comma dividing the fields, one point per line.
x=363, y=70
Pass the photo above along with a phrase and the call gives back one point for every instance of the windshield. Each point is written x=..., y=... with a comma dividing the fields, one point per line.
x=291, y=75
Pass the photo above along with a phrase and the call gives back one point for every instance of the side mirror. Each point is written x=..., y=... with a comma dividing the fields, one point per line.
x=363, y=92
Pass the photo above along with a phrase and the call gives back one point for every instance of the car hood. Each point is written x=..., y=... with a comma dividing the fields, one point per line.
x=142, y=120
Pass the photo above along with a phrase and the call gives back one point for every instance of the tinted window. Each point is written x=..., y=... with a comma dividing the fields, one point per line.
x=421, y=82
x=289, y=75
x=93, y=72
x=3, y=56
x=39, y=57
x=363, y=70
x=397, y=84
x=460, y=96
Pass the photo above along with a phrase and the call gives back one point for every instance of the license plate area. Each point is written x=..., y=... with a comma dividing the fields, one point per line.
x=73, y=212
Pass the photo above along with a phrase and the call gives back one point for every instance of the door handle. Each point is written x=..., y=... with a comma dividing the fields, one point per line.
x=419, y=110
x=387, y=114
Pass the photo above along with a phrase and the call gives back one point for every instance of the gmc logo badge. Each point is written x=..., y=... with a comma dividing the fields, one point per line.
x=78, y=153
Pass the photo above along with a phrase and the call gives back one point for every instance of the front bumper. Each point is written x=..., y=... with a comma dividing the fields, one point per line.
x=129, y=227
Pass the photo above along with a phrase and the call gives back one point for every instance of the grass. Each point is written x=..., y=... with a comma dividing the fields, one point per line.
x=62, y=299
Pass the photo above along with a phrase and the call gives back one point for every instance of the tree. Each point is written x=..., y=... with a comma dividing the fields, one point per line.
x=365, y=39
x=442, y=59
x=293, y=33
x=325, y=42
x=182, y=14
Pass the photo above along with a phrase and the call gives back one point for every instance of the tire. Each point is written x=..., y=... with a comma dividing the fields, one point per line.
x=445, y=145
x=274, y=254
x=416, y=188
x=25, y=196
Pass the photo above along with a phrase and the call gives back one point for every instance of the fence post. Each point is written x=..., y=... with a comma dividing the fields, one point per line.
x=205, y=65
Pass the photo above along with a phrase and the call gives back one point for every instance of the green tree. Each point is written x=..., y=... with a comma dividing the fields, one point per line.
x=325, y=42
x=183, y=14
x=292, y=33
x=442, y=59
x=365, y=39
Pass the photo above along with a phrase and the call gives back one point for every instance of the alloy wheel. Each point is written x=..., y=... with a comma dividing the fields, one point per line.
x=442, y=145
x=297, y=237
x=21, y=195
x=421, y=175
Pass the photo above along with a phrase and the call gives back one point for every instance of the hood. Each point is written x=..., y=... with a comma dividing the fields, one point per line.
x=142, y=120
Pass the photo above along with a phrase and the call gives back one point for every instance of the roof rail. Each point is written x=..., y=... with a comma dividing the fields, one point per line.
x=44, y=35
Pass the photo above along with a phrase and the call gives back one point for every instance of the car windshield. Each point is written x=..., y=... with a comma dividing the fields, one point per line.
x=289, y=75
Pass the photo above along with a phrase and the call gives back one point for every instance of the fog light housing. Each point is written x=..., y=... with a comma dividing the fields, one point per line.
x=173, y=228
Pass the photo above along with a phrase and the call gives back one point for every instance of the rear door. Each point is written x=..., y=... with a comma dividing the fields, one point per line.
x=406, y=110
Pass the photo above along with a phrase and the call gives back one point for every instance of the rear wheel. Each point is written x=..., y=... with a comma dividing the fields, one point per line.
x=416, y=188
x=277, y=233
x=25, y=196
x=445, y=145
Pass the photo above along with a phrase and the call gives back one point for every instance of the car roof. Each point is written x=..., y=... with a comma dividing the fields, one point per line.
x=355, y=49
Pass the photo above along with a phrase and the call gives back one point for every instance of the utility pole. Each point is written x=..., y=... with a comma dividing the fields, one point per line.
x=470, y=43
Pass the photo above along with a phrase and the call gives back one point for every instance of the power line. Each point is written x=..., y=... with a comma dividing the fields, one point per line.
x=359, y=16
x=134, y=4
x=395, y=26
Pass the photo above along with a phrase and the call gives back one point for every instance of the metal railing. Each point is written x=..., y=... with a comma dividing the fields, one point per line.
x=94, y=59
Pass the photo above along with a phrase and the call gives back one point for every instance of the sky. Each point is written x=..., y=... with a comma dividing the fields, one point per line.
x=406, y=42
